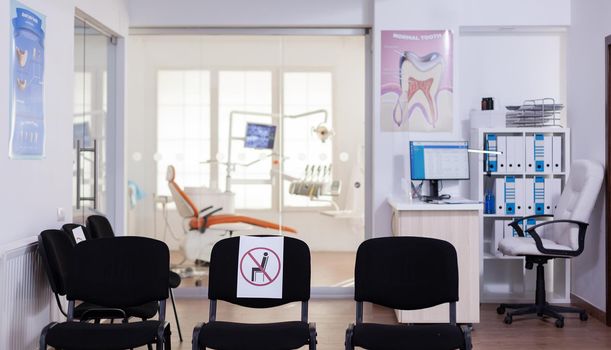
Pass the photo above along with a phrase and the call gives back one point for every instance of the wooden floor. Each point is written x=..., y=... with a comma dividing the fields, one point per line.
x=332, y=317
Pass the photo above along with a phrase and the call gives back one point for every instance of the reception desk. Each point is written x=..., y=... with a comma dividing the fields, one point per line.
x=457, y=224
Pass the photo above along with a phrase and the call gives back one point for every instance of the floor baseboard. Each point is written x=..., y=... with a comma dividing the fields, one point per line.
x=590, y=309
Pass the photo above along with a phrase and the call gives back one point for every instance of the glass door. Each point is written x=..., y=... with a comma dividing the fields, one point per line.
x=274, y=138
x=92, y=55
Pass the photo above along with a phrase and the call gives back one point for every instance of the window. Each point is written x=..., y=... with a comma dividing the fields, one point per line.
x=185, y=140
x=183, y=127
x=305, y=92
x=249, y=91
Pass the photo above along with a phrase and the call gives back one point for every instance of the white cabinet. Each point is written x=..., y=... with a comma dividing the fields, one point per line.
x=545, y=157
x=457, y=224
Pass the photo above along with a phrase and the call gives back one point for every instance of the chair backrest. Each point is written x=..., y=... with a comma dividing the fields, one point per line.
x=185, y=206
x=222, y=283
x=55, y=248
x=69, y=230
x=406, y=273
x=120, y=272
x=576, y=202
x=99, y=227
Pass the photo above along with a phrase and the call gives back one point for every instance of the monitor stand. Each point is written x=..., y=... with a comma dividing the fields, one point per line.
x=434, y=192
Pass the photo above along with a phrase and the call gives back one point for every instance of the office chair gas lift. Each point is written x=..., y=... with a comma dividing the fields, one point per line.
x=563, y=237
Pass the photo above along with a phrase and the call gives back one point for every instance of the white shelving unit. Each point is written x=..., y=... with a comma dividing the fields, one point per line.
x=504, y=278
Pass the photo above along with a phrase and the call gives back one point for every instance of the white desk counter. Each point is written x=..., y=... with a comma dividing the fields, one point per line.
x=457, y=224
x=404, y=204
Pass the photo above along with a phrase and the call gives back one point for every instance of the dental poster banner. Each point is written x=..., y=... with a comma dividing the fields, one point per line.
x=260, y=267
x=27, y=123
x=416, y=80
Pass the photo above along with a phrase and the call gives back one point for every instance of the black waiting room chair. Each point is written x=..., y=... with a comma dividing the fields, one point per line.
x=71, y=228
x=269, y=336
x=98, y=226
x=116, y=274
x=406, y=273
x=55, y=248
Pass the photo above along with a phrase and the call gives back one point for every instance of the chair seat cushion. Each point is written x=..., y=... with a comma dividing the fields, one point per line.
x=404, y=337
x=146, y=311
x=517, y=246
x=92, y=336
x=266, y=336
x=174, y=280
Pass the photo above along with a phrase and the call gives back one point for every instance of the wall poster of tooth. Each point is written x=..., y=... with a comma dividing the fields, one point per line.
x=416, y=80
x=27, y=120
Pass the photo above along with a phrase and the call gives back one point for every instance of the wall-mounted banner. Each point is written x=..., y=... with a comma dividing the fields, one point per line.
x=260, y=267
x=416, y=80
x=27, y=121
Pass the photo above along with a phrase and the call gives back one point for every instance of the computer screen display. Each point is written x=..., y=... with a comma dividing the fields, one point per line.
x=439, y=160
x=260, y=136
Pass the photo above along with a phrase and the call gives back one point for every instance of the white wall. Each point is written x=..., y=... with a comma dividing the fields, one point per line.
x=245, y=13
x=586, y=107
x=33, y=190
x=390, y=149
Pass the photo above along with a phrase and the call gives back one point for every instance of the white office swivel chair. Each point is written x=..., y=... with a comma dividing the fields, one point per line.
x=561, y=237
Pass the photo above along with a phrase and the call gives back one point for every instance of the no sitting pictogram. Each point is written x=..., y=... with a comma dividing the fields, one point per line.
x=260, y=266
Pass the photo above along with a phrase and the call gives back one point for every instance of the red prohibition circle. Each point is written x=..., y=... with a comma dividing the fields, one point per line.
x=248, y=253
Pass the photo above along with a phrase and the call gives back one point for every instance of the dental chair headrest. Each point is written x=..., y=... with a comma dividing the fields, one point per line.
x=170, y=174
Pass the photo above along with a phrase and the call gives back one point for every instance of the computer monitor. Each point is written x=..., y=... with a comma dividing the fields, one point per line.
x=260, y=136
x=439, y=160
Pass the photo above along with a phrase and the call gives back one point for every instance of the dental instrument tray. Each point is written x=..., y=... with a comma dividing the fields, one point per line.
x=534, y=113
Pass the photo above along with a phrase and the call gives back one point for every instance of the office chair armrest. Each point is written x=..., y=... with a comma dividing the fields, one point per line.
x=102, y=313
x=515, y=224
x=196, y=331
x=582, y=235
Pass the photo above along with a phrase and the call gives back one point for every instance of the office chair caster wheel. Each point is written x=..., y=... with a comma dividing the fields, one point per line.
x=559, y=323
x=508, y=319
x=583, y=316
x=500, y=310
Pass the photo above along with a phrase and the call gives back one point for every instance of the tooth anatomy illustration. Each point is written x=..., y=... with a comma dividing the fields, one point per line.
x=22, y=56
x=21, y=83
x=420, y=79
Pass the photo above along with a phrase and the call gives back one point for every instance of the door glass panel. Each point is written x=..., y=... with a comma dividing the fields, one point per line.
x=91, y=58
x=210, y=94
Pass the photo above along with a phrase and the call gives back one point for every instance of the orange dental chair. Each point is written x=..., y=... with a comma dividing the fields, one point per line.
x=204, y=219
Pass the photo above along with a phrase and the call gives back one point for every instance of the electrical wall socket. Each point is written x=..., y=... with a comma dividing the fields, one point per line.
x=61, y=215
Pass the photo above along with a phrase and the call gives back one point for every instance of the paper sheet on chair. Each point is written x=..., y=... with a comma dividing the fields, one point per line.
x=260, y=261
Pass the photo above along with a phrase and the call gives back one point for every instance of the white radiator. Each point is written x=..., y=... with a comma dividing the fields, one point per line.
x=25, y=296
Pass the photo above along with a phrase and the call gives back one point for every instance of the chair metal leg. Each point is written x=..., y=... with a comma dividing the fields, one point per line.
x=163, y=337
x=195, y=339
x=313, y=334
x=348, y=341
x=467, y=334
x=42, y=342
x=176, y=315
x=523, y=311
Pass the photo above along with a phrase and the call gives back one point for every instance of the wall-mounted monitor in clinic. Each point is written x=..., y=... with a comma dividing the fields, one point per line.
x=260, y=136
x=439, y=160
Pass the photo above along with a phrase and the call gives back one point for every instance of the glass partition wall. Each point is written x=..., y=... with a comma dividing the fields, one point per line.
x=266, y=127
x=92, y=58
